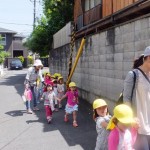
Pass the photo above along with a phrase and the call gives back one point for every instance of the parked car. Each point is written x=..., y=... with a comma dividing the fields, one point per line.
x=16, y=64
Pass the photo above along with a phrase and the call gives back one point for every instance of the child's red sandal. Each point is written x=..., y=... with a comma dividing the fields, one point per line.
x=66, y=119
x=75, y=124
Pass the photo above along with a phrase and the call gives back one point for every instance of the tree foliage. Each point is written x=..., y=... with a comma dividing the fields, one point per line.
x=56, y=14
x=3, y=54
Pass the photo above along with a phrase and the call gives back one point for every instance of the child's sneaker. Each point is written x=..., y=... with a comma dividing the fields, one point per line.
x=66, y=118
x=36, y=109
x=29, y=112
x=75, y=124
x=49, y=120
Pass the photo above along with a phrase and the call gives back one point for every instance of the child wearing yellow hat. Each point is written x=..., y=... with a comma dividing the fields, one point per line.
x=101, y=118
x=123, y=129
x=72, y=103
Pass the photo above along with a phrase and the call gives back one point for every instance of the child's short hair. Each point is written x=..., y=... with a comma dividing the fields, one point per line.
x=59, y=79
x=49, y=85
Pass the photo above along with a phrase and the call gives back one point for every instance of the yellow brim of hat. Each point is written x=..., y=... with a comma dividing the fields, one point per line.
x=111, y=125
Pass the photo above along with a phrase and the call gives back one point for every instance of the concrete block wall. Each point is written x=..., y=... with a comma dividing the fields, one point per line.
x=106, y=59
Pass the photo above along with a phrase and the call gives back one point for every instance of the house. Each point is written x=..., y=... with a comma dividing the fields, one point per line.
x=7, y=39
x=13, y=44
x=92, y=16
x=116, y=32
x=18, y=48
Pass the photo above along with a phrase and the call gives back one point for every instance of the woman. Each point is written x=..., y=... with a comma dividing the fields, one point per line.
x=32, y=75
x=140, y=101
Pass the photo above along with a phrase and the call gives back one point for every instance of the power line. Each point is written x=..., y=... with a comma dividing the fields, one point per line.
x=16, y=23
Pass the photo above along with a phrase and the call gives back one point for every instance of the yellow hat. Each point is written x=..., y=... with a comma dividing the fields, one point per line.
x=57, y=74
x=46, y=72
x=53, y=76
x=123, y=113
x=72, y=84
x=99, y=103
x=49, y=75
x=60, y=78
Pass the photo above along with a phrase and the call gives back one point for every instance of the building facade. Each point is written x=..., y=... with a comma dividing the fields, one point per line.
x=12, y=43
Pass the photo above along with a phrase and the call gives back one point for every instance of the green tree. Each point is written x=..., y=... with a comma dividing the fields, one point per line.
x=3, y=54
x=56, y=14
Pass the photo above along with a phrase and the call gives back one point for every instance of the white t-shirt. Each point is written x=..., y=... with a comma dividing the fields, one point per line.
x=60, y=87
x=125, y=140
x=143, y=104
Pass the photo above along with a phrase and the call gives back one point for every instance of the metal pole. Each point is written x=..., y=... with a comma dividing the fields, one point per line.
x=34, y=15
x=76, y=60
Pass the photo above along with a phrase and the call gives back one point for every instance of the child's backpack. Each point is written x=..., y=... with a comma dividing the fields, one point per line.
x=120, y=99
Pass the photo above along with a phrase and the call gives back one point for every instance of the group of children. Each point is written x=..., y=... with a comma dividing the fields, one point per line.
x=114, y=133
x=52, y=94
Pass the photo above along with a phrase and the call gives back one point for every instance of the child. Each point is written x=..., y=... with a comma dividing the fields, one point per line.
x=52, y=77
x=123, y=129
x=28, y=96
x=60, y=89
x=56, y=93
x=72, y=103
x=49, y=97
x=47, y=80
x=101, y=118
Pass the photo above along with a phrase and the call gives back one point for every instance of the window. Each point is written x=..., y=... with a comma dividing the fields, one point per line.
x=89, y=4
x=97, y=2
x=3, y=39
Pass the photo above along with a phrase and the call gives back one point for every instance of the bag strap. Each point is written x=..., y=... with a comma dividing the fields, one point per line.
x=144, y=75
x=134, y=81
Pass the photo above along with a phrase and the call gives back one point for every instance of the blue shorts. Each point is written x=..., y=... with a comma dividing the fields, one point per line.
x=71, y=109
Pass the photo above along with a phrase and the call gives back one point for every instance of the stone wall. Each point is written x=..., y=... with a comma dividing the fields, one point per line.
x=106, y=59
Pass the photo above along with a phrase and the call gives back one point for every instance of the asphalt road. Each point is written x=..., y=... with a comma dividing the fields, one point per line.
x=21, y=131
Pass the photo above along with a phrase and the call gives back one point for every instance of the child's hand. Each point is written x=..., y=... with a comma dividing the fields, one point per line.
x=136, y=125
x=41, y=98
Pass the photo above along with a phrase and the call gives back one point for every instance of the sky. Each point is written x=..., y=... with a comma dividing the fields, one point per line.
x=17, y=15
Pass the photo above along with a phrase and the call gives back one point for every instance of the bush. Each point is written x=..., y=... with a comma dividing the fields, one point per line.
x=21, y=59
x=3, y=55
x=30, y=60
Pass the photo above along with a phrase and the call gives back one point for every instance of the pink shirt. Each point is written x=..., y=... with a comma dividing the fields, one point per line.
x=48, y=81
x=119, y=140
x=72, y=98
x=28, y=94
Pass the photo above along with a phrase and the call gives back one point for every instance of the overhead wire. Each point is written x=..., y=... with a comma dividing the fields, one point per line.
x=16, y=23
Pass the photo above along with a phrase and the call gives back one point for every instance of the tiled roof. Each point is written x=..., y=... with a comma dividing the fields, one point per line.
x=2, y=30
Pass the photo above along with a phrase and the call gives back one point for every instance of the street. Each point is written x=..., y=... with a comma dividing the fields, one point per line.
x=22, y=131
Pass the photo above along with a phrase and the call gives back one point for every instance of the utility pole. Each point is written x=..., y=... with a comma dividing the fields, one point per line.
x=34, y=14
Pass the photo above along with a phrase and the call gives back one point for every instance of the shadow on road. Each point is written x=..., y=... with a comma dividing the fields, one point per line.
x=84, y=135
x=16, y=113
